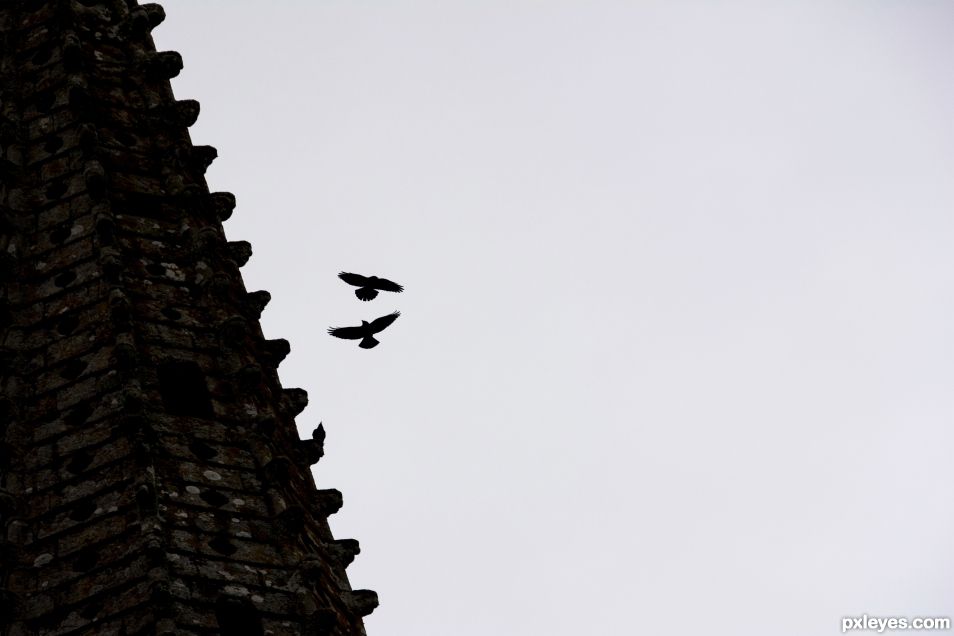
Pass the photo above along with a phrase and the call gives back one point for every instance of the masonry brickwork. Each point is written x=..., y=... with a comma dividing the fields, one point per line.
x=152, y=480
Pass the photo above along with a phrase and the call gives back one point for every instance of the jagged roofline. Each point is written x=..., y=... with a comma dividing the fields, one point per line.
x=151, y=476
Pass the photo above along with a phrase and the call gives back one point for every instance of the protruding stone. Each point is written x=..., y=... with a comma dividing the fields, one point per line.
x=147, y=17
x=155, y=12
x=327, y=502
x=276, y=351
x=240, y=251
x=313, y=449
x=201, y=157
x=256, y=302
x=139, y=21
x=186, y=112
x=294, y=400
x=343, y=550
x=221, y=204
x=360, y=602
x=163, y=66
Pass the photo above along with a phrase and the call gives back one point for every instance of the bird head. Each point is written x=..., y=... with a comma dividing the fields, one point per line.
x=365, y=323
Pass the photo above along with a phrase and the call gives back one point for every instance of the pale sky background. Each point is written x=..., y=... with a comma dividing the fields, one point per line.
x=677, y=346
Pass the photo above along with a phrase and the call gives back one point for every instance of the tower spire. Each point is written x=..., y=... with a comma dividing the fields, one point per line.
x=151, y=476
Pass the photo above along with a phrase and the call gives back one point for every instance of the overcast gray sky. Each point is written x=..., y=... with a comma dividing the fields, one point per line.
x=677, y=342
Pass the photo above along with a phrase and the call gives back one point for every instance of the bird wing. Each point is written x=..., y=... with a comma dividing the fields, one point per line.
x=354, y=279
x=386, y=285
x=348, y=333
x=380, y=324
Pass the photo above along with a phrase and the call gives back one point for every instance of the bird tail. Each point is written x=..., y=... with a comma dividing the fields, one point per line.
x=368, y=343
x=366, y=293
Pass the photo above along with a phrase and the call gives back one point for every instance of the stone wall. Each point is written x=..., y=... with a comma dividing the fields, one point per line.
x=153, y=480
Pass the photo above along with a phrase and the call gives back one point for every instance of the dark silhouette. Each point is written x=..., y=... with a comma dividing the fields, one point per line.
x=368, y=286
x=79, y=146
x=319, y=433
x=366, y=331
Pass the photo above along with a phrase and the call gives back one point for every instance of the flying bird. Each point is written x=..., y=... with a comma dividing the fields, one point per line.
x=368, y=286
x=366, y=331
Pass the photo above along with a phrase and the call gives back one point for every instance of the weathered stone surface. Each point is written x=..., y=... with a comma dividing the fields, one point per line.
x=154, y=481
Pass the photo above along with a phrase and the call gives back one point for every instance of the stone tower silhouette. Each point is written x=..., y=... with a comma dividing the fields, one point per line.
x=152, y=478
